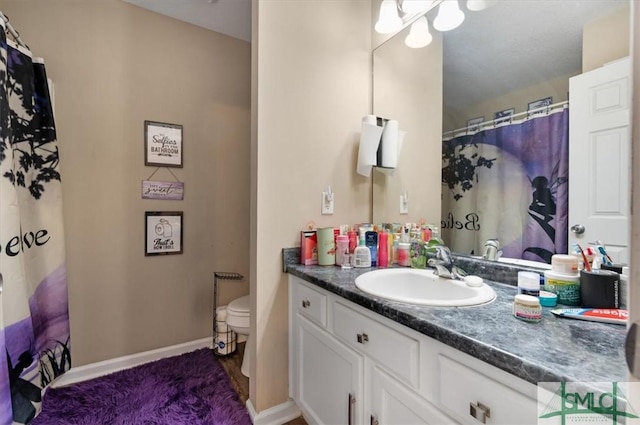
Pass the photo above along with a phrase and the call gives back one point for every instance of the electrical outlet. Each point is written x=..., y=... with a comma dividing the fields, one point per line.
x=327, y=203
x=404, y=205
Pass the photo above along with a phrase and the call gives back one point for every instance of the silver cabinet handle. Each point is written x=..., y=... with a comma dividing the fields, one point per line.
x=306, y=303
x=352, y=402
x=363, y=338
x=578, y=229
x=479, y=411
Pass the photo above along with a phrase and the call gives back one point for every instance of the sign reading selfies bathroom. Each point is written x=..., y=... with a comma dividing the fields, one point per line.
x=163, y=232
x=162, y=144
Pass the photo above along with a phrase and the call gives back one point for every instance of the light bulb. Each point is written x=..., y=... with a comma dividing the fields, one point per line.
x=477, y=5
x=449, y=16
x=414, y=6
x=388, y=20
x=419, y=35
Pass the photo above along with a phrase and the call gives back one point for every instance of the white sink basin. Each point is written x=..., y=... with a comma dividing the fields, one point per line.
x=423, y=287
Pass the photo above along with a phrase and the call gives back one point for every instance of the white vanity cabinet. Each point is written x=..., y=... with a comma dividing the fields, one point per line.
x=349, y=365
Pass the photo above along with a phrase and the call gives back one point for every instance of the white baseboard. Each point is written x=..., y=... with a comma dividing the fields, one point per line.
x=94, y=370
x=275, y=415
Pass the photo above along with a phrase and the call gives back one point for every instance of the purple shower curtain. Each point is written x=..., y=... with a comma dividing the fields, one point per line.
x=34, y=321
x=509, y=183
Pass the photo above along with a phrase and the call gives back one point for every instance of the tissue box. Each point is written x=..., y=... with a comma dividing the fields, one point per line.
x=308, y=247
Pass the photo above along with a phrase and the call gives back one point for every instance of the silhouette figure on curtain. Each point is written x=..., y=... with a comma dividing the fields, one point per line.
x=543, y=207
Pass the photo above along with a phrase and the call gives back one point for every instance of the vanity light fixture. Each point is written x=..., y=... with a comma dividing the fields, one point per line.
x=409, y=7
x=419, y=35
x=388, y=21
x=449, y=16
x=477, y=5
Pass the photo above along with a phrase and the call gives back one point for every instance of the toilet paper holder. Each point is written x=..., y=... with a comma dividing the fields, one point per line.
x=220, y=276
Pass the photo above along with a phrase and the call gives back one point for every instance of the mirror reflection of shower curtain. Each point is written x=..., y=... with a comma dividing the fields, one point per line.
x=34, y=320
x=509, y=183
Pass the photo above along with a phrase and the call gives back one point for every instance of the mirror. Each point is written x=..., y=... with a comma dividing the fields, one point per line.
x=503, y=57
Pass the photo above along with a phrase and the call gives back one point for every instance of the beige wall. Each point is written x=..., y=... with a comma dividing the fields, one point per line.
x=407, y=87
x=558, y=88
x=312, y=84
x=115, y=65
x=605, y=40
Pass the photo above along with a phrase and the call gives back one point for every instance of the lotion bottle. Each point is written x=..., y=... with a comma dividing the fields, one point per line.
x=383, y=250
x=362, y=256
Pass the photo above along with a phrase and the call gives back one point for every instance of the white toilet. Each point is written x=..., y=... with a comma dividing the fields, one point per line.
x=238, y=316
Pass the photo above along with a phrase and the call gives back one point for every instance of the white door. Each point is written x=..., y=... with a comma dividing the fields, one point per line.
x=600, y=158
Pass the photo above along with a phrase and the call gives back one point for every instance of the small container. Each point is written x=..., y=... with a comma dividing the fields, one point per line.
x=564, y=263
x=624, y=287
x=326, y=247
x=362, y=256
x=529, y=283
x=342, y=248
x=383, y=249
x=527, y=308
x=565, y=286
x=548, y=299
x=403, y=254
x=371, y=242
x=352, y=235
x=600, y=288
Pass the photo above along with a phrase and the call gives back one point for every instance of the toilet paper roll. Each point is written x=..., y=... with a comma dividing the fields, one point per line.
x=221, y=326
x=221, y=313
x=225, y=345
x=369, y=142
x=390, y=144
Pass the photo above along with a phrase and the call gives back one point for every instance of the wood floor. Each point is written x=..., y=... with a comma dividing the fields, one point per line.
x=232, y=364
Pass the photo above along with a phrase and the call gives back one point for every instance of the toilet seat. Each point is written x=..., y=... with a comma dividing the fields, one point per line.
x=240, y=306
x=238, y=314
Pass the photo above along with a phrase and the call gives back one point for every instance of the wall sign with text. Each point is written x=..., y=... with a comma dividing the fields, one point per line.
x=162, y=144
x=163, y=232
x=172, y=191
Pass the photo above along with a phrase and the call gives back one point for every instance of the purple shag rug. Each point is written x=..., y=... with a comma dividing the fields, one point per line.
x=189, y=389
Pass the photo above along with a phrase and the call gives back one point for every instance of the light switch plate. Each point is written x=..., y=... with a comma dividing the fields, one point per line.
x=327, y=203
x=404, y=205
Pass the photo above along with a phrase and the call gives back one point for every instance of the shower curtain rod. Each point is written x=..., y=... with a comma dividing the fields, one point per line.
x=12, y=31
x=497, y=122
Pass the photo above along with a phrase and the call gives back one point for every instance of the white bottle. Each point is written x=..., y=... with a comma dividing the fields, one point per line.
x=361, y=256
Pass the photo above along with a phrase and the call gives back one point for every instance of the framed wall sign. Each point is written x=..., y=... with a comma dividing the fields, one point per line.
x=163, y=232
x=162, y=144
x=537, y=107
x=474, y=123
x=173, y=191
x=503, y=116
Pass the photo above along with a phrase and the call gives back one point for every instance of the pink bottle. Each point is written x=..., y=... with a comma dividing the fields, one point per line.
x=383, y=249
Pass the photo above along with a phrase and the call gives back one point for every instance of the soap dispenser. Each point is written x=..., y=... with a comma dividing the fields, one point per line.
x=362, y=255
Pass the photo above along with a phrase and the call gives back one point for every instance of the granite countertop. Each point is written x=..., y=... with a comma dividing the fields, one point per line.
x=555, y=349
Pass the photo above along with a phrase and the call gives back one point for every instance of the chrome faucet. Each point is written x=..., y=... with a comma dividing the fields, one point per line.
x=442, y=261
x=492, y=250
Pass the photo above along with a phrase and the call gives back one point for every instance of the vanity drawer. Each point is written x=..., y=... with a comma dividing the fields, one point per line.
x=463, y=390
x=392, y=349
x=311, y=304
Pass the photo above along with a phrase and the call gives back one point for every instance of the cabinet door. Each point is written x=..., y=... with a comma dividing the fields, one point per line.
x=394, y=404
x=330, y=377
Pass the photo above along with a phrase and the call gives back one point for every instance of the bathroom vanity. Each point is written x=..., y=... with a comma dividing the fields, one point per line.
x=356, y=358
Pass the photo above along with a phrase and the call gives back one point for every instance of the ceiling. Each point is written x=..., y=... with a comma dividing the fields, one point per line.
x=515, y=44
x=230, y=17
